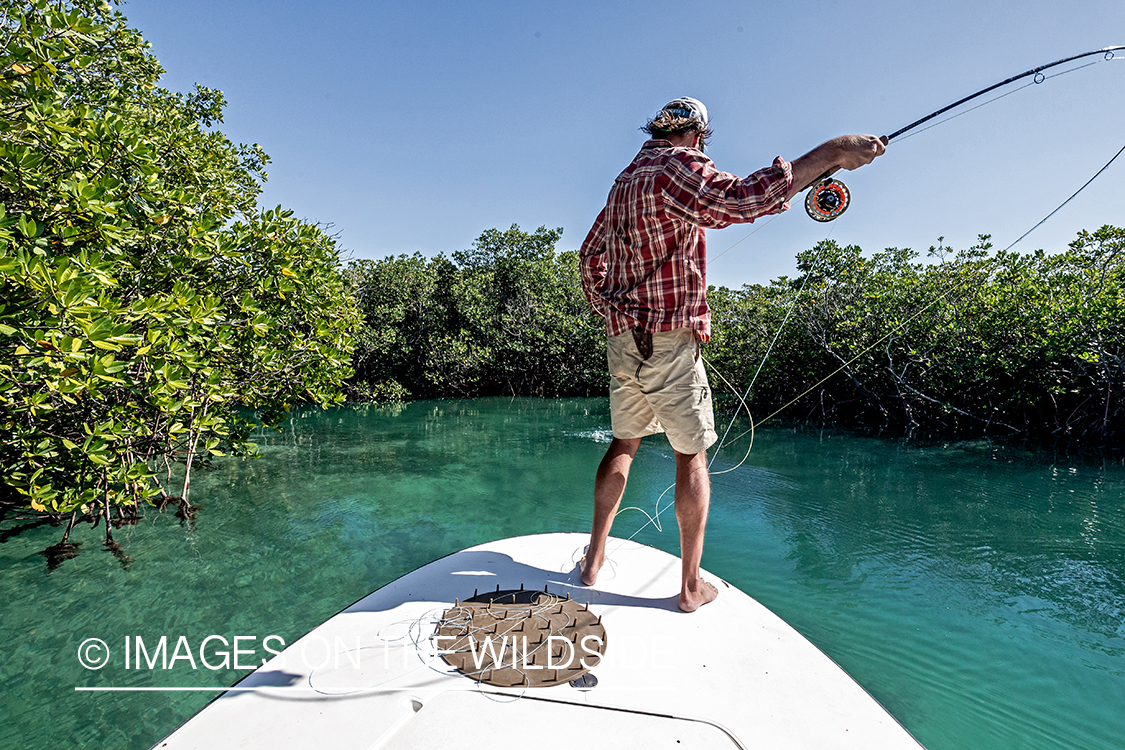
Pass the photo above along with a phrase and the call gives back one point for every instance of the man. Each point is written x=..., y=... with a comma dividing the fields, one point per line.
x=644, y=268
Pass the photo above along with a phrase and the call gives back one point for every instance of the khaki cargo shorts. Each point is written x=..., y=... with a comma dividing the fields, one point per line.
x=668, y=392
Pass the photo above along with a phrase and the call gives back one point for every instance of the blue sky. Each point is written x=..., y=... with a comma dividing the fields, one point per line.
x=416, y=126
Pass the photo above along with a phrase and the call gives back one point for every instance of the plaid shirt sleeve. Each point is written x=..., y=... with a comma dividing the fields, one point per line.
x=591, y=258
x=698, y=192
x=643, y=263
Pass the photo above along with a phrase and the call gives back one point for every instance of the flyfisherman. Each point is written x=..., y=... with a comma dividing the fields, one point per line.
x=644, y=268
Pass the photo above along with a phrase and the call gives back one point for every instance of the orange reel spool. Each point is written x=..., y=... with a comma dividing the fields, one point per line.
x=827, y=200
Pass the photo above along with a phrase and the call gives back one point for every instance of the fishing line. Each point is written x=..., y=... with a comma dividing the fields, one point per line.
x=1068, y=200
x=761, y=364
x=831, y=212
x=1038, y=77
x=655, y=519
x=939, y=298
x=970, y=109
x=748, y=236
x=1035, y=82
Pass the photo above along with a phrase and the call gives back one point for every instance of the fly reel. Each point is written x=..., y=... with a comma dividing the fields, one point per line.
x=827, y=199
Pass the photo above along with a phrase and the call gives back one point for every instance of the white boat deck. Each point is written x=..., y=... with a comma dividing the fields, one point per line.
x=730, y=675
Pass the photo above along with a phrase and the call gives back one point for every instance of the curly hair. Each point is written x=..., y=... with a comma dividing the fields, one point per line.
x=667, y=124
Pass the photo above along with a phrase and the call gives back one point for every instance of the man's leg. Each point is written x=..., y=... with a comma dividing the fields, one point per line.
x=609, y=486
x=693, y=497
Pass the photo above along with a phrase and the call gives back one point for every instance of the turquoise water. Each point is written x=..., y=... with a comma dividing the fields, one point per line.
x=977, y=591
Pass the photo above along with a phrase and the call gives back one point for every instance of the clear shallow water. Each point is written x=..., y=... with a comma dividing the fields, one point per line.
x=977, y=592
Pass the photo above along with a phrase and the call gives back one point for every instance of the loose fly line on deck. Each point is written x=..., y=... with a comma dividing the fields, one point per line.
x=1038, y=77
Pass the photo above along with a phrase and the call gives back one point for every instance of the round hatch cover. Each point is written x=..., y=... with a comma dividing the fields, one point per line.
x=521, y=638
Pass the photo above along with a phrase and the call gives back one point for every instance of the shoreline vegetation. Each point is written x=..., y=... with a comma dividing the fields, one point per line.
x=152, y=315
x=963, y=344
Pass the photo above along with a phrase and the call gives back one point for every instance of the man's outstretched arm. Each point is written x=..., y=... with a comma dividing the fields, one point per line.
x=845, y=152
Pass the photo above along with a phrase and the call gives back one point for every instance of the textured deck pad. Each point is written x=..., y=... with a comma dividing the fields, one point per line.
x=521, y=639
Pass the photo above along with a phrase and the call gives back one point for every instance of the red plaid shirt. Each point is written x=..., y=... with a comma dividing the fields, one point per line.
x=644, y=262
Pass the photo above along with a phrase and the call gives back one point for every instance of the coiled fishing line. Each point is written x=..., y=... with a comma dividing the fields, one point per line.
x=655, y=519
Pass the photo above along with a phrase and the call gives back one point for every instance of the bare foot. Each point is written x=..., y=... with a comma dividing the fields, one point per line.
x=590, y=571
x=696, y=594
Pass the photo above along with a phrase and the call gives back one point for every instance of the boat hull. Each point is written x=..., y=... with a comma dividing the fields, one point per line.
x=732, y=674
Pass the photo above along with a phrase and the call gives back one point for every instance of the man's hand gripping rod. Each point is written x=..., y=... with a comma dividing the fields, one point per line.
x=828, y=198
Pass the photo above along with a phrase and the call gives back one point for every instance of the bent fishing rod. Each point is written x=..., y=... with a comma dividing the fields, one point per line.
x=828, y=198
x=826, y=201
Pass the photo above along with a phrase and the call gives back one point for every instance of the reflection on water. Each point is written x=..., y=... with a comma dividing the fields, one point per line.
x=981, y=590
x=977, y=591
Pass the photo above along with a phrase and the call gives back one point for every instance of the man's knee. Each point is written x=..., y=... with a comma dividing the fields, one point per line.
x=687, y=459
x=626, y=446
x=692, y=467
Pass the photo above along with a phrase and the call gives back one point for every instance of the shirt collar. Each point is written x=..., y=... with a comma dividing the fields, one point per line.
x=654, y=143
